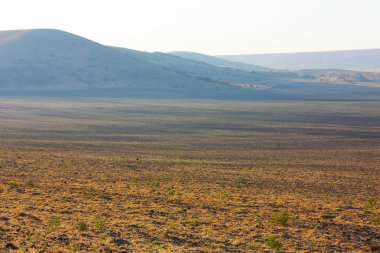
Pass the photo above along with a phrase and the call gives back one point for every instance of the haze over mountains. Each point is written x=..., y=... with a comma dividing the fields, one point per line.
x=207, y=71
x=366, y=59
x=43, y=60
x=46, y=62
x=218, y=61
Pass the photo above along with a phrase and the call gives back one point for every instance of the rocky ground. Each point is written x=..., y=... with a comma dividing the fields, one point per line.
x=189, y=176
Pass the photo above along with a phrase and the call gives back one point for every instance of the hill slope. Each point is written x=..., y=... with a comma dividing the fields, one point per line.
x=368, y=59
x=207, y=71
x=217, y=61
x=55, y=63
x=42, y=60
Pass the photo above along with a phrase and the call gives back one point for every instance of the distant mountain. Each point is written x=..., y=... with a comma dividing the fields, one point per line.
x=338, y=77
x=216, y=61
x=47, y=62
x=365, y=60
x=44, y=60
x=205, y=70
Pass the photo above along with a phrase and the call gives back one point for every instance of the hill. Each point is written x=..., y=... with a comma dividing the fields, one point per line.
x=51, y=60
x=53, y=63
x=218, y=61
x=205, y=70
x=293, y=83
x=365, y=60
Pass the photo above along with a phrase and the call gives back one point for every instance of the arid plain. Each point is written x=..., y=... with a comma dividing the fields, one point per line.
x=189, y=176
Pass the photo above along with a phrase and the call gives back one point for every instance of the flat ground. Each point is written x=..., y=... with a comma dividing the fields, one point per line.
x=189, y=176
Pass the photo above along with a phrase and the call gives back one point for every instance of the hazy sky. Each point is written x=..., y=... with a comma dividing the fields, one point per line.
x=208, y=26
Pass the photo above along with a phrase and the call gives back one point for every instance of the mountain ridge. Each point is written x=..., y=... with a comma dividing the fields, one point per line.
x=50, y=62
x=48, y=57
x=217, y=61
x=360, y=59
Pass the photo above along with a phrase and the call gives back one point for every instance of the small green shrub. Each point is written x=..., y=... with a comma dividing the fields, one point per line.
x=29, y=235
x=172, y=225
x=82, y=226
x=223, y=184
x=54, y=222
x=13, y=185
x=280, y=218
x=253, y=246
x=89, y=193
x=374, y=221
x=30, y=184
x=155, y=183
x=195, y=223
x=237, y=185
x=274, y=243
x=100, y=223
x=370, y=203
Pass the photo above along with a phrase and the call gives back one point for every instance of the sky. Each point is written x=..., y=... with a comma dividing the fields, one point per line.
x=215, y=27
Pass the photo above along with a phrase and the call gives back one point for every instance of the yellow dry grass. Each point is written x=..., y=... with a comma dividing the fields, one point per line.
x=189, y=176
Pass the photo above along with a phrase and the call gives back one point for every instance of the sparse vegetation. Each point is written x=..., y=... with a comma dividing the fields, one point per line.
x=89, y=193
x=82, y=226
x=375, y=221
x=253, y=246
x=280, y=218
x=274, y=243
x=13, y=185
x=215, y=176
x=173, y=225
x=54, y=222
x=171, y=192
x=100, y=223
x=30, y=184
x=370, y=203
x=195, y=223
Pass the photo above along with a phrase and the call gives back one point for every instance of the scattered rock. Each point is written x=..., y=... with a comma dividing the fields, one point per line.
x=106, y=249
x=119, y=242
x=63, y=238
x=18, y=190
x=177, y=240
x=30, y=216
x=11, y=246
x=375, y=247
x=134, y=226
x=327, y=216
x=113, y=234
x=22, y=215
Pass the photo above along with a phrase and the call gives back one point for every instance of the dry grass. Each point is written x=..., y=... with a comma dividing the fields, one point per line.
x=189, y=176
